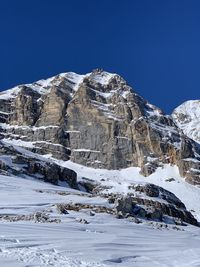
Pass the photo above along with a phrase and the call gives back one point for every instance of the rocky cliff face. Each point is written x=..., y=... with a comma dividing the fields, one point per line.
x=96, y=120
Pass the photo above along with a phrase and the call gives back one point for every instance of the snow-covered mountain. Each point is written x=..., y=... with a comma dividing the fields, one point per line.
x=80, y=152
x=96, y=120
x=187, y=117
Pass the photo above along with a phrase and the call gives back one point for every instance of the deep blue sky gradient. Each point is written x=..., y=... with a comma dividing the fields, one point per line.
x=153, y=44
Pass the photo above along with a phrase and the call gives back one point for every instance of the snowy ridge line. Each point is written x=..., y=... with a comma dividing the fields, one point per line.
x=42, y=86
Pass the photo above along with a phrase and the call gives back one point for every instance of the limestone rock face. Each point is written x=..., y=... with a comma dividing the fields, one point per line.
x=25, y=108
x=96, y=120
x=54, y=107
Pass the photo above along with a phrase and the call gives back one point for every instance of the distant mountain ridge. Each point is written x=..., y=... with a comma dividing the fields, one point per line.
x=187, y=117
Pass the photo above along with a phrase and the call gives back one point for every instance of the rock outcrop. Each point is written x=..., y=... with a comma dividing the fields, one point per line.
x=22, y=163
x=154, y=203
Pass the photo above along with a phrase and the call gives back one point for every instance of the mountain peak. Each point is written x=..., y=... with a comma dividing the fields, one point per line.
x=187, y=117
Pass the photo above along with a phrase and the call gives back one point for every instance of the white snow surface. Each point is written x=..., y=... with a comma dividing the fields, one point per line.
x=106, y=241
x=187, y=117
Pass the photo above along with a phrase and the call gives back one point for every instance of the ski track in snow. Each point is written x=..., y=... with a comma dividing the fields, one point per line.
x=70, y=246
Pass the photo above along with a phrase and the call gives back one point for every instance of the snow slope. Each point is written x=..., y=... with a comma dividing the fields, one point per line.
x=106, y=241
x=120, y=180
x=187, y=117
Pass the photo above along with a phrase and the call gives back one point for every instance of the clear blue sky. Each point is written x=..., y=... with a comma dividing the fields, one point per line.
x=153, y=44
